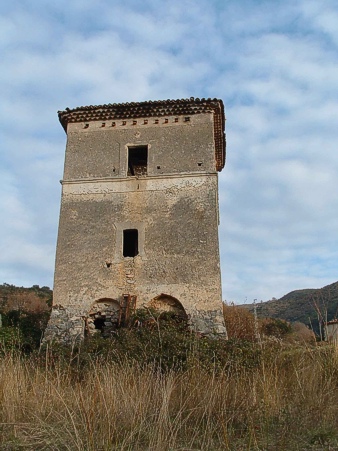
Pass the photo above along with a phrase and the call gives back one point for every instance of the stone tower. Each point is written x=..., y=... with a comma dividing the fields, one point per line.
x=139, y=215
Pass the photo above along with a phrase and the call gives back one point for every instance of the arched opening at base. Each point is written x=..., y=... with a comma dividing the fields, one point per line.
x=103, y=318
x=166, y=303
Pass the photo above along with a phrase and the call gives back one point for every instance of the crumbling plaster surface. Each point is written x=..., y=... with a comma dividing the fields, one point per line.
x=176, y=147
x=179, y=229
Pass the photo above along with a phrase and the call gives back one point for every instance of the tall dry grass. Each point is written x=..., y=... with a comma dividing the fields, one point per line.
x=288, y=401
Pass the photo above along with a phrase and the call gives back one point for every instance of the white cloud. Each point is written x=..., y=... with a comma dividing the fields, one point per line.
x=274, y=65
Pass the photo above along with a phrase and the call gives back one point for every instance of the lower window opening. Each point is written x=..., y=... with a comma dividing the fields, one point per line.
x=130, y=243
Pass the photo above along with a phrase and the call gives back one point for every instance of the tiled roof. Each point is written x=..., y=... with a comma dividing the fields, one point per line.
x=157, y=108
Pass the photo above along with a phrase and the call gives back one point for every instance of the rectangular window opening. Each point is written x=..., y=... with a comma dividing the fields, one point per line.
x=137, y=160
x=130, y=243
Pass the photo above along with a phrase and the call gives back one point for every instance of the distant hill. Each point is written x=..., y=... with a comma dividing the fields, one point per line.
x=309, y=306
x=33, y=299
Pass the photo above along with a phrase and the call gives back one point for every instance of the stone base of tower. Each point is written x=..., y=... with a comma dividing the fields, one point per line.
x=208, y=322
x=69, y=326
x=64, y=326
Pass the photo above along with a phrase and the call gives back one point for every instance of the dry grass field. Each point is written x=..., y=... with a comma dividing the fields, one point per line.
x=286, y=399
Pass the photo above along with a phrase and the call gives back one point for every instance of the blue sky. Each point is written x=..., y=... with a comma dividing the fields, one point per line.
x=274, y=64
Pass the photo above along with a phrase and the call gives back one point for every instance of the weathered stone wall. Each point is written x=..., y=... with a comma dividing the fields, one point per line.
x=65, y=325
x=174, y=147
x=178, y=244
x=174, y=208
x=68, y=325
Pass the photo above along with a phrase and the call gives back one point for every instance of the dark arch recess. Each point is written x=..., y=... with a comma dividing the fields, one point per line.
x=104, y=316
x=165, y=302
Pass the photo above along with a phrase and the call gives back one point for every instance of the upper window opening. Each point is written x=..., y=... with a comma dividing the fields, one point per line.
x=137, y=160
x=130, y=243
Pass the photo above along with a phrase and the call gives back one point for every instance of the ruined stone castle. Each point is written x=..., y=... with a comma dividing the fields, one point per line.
x=139, y=215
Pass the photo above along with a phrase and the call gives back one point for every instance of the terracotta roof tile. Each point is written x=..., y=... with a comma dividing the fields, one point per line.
x=132, y=110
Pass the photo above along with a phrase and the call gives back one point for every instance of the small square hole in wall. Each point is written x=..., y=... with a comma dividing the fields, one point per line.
x=199, y=163
x=158, y=167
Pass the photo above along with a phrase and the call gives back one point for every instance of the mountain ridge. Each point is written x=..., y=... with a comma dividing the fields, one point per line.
x=310, y=306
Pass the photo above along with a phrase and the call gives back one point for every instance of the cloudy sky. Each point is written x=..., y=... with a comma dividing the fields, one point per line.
x=275, y=65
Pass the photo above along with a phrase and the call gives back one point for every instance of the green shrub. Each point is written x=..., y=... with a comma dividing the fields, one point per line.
x=162, y=341
x=29, y=325
x=10, y=339
x=278, y=328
